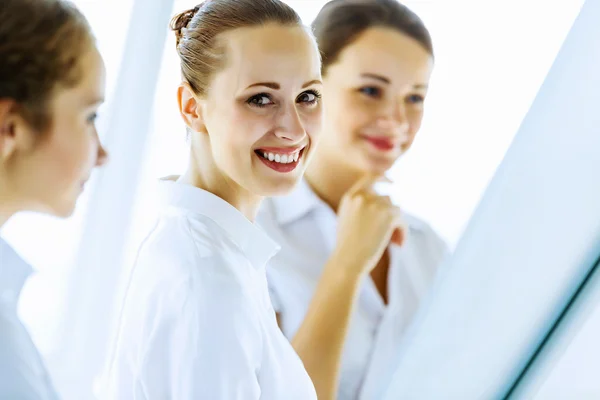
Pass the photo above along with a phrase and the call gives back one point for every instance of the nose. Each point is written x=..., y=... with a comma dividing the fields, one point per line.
x=400, y=113
x=101, y=155
x=396, y=119
x=290, y=125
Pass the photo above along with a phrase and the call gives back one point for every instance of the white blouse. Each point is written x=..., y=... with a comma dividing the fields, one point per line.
x=197, y=322
x=305, y=227
x=23, y=375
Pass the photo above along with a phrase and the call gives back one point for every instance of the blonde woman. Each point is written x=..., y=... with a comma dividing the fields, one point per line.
x=354, y=267
x=197, y=322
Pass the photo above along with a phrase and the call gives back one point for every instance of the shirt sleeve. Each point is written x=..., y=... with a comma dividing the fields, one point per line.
x=206, y=345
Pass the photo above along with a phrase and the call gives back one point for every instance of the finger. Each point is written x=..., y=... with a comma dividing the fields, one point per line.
x=384, y=200
x=384, y=203
x=384, y=186
x=370, y=196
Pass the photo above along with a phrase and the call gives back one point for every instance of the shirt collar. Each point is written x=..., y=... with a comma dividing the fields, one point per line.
x=14, y=271
x=297, y=204
x=256, y=245
x=303, y=200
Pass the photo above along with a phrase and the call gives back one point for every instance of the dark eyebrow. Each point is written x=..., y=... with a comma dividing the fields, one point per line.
x=272, y=85
x=313, y=82
x=94, y=101
x=381, y=78
x=376, y=77
x=277, y=86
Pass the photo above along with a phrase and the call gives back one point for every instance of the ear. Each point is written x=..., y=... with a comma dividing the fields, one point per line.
x=191, y=108
x=15, y=133
x=8, y=128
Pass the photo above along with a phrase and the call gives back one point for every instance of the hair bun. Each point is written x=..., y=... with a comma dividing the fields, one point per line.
x=182, y=20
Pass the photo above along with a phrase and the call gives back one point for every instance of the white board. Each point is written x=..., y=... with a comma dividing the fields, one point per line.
x=529, y=243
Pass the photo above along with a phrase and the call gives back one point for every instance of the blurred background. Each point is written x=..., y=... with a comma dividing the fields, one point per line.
x=491, y=58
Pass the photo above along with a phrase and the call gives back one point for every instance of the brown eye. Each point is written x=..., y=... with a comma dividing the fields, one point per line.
x=260, y=100
x=415, y=99
x=371, y=91
x=92, y=118
x=310, y=97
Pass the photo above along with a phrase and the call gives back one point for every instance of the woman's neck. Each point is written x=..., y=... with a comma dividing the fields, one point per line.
x=7, y=205
x=330, y=179
x=4, y=216
x=205, y=175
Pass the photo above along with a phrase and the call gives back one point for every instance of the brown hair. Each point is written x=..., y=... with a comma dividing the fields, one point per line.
x=197, y=32
x=41, y=42
x=340, y=22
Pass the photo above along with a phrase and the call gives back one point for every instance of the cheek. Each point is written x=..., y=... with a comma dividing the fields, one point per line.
x=74, y=149
x=244, y=129
x=352, y=113
x=58, y=168
x=415, y=118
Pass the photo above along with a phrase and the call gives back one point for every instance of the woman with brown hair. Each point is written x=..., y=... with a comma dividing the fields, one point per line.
x=353, y=268
x=197, y=322
x=51, y=85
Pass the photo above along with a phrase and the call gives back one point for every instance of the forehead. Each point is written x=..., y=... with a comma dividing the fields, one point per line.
x=272, y=53
x=90, y=88
x=386, y=52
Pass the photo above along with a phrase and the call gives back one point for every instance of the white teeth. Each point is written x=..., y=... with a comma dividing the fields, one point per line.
x=281, y=158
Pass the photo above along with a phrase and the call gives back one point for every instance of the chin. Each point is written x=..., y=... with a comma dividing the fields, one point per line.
x=365, y=162
x=380, y=169
x=373, y=166
x=65, y=213
x=64, y=210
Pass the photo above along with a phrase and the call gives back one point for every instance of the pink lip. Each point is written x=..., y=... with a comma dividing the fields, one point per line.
x=281, y=150
x=381, y=143
x=279, y=167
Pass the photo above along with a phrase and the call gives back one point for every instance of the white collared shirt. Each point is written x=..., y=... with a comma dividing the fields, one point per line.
x=305, y=227
x=22, y=372
x=197, y=322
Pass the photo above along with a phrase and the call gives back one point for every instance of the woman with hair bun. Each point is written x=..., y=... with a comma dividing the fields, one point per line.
x=197, y=322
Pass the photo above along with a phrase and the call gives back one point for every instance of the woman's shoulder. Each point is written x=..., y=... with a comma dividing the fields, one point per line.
x=423, y=230
x=179, y=237
x=192, y=250
x=419, y=226
x=424, y=242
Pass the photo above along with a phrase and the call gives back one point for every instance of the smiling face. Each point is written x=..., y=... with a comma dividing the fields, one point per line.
x=262, y=111
x=375, y=92
x=46, y=171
